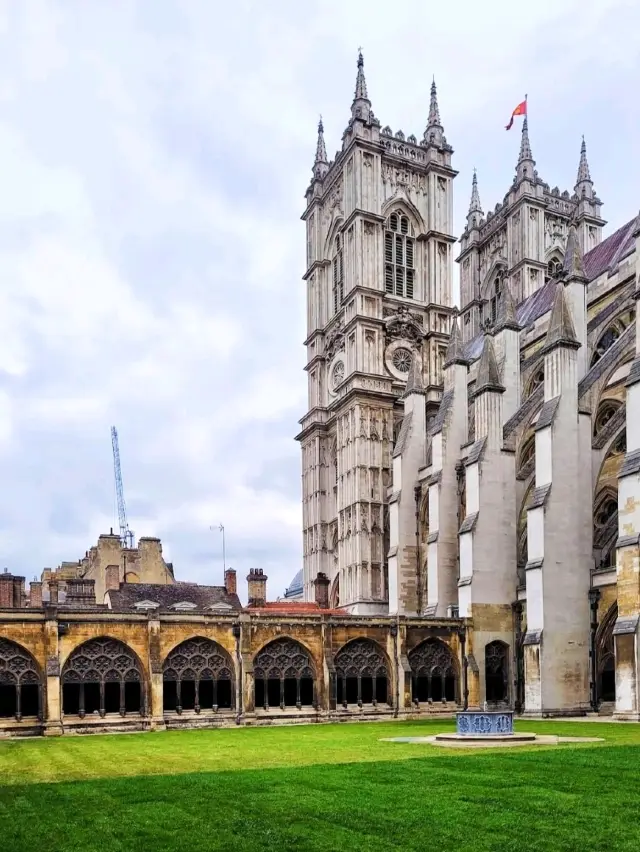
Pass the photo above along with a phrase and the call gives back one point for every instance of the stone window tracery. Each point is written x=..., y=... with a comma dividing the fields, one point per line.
x=536, y=381
x=20, y=682
x=284, y=676
x=434, y=672
x=527, y=457
x=338, y=274
x=362, y=675
x=496, y=664
x=606, y=411
x=399, y=246
x=402, y=359
x=554, y=268
x=605, y=523
x=197, y=675
x=102, y=676
x=612, y=333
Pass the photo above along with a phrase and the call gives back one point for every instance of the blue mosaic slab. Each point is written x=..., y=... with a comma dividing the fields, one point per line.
x=473, y=724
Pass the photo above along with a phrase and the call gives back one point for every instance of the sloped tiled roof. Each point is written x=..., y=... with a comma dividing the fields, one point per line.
x=129, y=594
x=295, y=586
x=610, y=251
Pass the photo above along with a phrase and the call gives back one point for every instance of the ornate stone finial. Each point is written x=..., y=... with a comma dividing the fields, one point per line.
x=561, y=331
x=415, y=383
x=361, y=83
x=507, y=312
x=525, y=145
x=475, y=206
x=455, y=349
x=434, y=112
x=321, y=163
x=488, y=378
x=573, y=266
x=583, y=169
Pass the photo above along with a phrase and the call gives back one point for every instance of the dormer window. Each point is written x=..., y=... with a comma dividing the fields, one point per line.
x=220, y=606
x=399, y=268
x=184, y=606
x=338, y=274
x=146, y=605
x=554, y=268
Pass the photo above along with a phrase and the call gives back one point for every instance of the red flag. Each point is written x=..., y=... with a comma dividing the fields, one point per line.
x=521, y=109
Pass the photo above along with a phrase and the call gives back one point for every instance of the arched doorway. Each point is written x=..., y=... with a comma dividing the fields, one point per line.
x=605, y=657
x=362, y=674
x=198, y=675
x=102, y=676
x=434, y=672
x=20, y=683
x=284, y=675
x=496, y=670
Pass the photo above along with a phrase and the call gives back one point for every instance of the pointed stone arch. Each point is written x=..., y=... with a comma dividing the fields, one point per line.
x=102, y=676
x=332, y=232
x=605, y=656
x=284, y=675
x=198, y=674
x=434, y=672
x=363, y=674
x=611, y=334
x=404, y=205
x=21, y=683
x=605, y=526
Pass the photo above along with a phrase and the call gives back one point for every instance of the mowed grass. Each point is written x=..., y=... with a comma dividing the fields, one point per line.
x=321, y=788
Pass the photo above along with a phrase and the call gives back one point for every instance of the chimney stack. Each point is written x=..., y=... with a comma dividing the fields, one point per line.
x=257, y=581
x=81, y=592
x=6, y=590
x=230, y=582
x=321, y=586
x=35, y=595
x=53, y=591
x=112, y=578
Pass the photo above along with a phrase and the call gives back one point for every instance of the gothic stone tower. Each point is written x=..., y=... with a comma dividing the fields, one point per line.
x=521, y=243
x=379, y=222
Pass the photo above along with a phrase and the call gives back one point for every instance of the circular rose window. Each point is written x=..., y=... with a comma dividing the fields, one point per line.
x=337, y=374
x=402, y=360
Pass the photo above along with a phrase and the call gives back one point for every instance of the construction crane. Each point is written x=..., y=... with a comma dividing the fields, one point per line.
x=126, y=536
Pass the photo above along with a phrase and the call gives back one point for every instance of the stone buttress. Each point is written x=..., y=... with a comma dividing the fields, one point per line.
x=556, y=645
x=487, y=583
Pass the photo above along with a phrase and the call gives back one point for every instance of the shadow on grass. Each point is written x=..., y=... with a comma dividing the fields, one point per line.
x=561, y=800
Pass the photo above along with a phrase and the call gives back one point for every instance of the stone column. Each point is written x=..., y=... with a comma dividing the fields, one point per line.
x=52, y=698
x=155, y=695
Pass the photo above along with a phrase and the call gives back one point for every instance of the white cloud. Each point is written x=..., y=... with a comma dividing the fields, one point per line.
x=154, y=163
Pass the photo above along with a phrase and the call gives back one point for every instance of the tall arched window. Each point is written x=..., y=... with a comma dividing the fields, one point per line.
x=102, y=676
x=283, y=675
x=362, y=674
x=496, y=295
x=611, y=334
x=198, y=675
x=434, y=672
x=605, y=656
x=338, y=274
x=496, y=667
x=399, y=269
x=554, y=268
x=20, y=682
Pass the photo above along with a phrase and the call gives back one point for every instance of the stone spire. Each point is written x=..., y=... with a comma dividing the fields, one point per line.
x=525, y=145
x=488, y=377
x=561, y=331
x=415, y=383
x=583, y=168
x=455, y=349
x=434, y=132
x=361, y=106
x=507, y=314
x=573, y=267
x=475, y=206
x=321, y=164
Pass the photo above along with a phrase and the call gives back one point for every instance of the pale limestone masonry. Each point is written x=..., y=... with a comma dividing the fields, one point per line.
x=481, y=463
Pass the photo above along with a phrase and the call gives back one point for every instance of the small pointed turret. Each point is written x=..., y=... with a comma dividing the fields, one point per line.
x=583, y=168
x=561, y=331
x=573, y=267
x=361, y=106
x=526, y=163
x=415, y=383
x=321, y=164
x=434, y=131
x=488, y=375
x=455, y=349
x=475, y=206
x=507, y=314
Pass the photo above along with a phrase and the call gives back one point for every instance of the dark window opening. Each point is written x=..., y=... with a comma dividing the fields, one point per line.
x=496, y=671
x=8, y=704
x=112, y=697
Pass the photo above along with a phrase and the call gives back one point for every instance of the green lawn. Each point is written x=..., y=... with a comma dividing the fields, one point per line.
x=320, y=788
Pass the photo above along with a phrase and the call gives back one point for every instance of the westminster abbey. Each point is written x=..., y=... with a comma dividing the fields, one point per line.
x=471, y=482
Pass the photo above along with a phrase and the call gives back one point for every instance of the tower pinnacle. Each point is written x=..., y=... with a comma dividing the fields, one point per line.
x=321, y=164
x=434, y=132
x=361, y=106
x=475, y=206
x=583, y=168
x=525, y=145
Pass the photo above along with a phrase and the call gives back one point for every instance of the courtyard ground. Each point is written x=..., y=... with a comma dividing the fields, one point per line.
x=321, y=788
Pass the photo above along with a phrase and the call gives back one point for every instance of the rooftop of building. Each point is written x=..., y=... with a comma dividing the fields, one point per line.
x=178, y=597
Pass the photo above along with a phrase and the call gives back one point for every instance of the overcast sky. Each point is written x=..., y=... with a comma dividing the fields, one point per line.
x=153, y=162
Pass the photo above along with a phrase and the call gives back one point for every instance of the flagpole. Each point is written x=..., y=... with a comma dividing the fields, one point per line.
x=224, y=556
